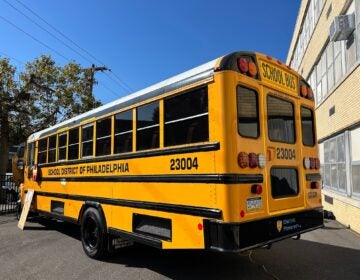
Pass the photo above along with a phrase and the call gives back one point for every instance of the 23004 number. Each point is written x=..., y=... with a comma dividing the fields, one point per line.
x=282, y=153
x=184, y=163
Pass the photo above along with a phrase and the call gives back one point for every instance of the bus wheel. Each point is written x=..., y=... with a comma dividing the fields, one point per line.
x=93, y=234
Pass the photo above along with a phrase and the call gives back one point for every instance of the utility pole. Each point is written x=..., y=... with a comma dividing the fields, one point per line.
x=94, y=69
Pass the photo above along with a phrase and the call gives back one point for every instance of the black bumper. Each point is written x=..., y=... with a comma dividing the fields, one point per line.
x=236, y=237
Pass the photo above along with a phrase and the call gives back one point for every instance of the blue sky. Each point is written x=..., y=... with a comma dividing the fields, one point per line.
x=143, y=42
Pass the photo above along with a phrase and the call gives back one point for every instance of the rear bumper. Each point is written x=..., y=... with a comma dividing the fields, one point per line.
x=236, y=237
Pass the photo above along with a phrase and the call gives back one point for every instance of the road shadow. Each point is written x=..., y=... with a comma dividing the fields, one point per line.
x=288, y=259
x=45, y=224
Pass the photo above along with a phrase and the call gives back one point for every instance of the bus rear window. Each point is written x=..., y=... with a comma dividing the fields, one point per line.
x=281, y=126
x=307, y=127
x=248, y=113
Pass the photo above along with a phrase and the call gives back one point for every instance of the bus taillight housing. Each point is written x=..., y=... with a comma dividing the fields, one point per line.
x=247, y=66
x=251, y=160
x=306, y=91
x=311, y=163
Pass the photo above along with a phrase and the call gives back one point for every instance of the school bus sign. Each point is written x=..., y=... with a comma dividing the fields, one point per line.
x=278, y=76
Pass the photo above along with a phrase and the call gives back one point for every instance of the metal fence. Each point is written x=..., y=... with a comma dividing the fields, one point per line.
x=8, y=194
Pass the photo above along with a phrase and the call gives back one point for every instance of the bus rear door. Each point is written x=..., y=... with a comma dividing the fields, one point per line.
x=283, y=153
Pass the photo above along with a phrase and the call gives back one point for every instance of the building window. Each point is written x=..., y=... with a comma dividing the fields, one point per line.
x=309, y=21
x=103, y=137
x=87, y=140
x=355, y=161
x=335, y=164
x=62, y=146
x=73, y=147
x=147, y=126
x=52, y=149
x=186, y=118
x=123, y=132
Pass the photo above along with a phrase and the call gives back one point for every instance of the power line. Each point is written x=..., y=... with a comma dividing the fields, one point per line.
x=34, y=38
x=9, y=56
x=58, y=31
x=120, y=82
x=110, y=90
x=48, y=32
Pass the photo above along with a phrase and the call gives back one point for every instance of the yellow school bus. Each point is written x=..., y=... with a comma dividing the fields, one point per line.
x=221, y=157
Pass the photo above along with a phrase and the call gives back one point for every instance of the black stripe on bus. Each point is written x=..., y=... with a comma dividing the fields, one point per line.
x=171, y=208
x=164, y=152
x=169, y=178
x=313, y=177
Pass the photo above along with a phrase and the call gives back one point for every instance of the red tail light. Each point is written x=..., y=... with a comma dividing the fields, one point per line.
x=253, y=160
x=247, y=66
x=312, y=163
x=317, y=163
x=256, y=189
x=315, y=185
x=306, y=91
x=243, y=160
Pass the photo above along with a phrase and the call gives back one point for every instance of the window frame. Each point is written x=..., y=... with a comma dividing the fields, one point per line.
x=148, y=127
x=313, y=125
x=293, y=118
x=195, y=94
x=73, y=144
x=44, y=151
x=258, y=132
x=108, y=136
x=62, y=147
x=92, y=125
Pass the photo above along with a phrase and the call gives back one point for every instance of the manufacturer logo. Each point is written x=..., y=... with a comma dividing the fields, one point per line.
x=279, y=225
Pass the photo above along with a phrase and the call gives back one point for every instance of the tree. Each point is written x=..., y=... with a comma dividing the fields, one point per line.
x=45, y=95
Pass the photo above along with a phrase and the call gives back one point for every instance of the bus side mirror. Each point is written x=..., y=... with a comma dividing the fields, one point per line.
x=20, y=164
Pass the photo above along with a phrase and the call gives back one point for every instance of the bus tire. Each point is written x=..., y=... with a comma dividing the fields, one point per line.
x=94, y=234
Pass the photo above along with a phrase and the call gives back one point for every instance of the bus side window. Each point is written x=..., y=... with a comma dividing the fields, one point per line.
x=186, y=118
x=30, y=154
x=147, y=126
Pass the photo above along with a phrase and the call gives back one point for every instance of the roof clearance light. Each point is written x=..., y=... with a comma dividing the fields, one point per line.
x=243, y=65
x=243, y=160
x=252, y=69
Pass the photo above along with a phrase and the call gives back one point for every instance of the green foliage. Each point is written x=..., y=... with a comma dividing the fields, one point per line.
x=45, y=95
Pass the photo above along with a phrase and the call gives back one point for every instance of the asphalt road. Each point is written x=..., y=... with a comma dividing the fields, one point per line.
x=52, y=250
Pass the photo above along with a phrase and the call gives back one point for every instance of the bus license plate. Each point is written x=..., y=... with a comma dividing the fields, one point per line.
x=253, y=203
